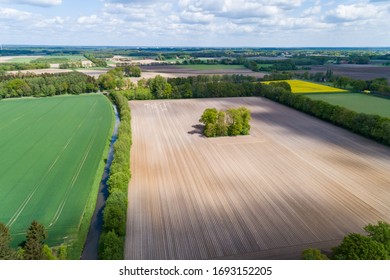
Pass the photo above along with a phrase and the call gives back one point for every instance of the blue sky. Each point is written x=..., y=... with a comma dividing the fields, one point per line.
x=229, y=23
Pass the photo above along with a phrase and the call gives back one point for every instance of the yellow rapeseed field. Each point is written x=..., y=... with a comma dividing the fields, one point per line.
x=298, y=86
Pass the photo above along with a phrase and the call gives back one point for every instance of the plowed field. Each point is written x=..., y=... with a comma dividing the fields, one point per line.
x=295, y=182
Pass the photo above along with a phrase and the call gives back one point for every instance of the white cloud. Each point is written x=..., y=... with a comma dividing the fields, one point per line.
x=315, y=10
x=89, y=20
x=40, y=3
x=13, y=14
x=355, y=12
x=195, y=17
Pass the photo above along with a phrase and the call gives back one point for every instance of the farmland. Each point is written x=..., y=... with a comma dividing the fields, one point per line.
x=210, y=67
x=303, y=87
x=51, y=150
x=357, y=102
x=295, y=182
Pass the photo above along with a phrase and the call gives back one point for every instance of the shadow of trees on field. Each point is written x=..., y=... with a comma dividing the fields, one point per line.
x=198, y=129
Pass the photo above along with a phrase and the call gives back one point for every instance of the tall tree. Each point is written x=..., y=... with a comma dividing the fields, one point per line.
x=33, y=248
x=221, y=127
x=6, y=252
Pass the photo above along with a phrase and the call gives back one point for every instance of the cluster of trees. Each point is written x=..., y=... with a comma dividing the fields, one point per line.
x=115, y=78
x=46, y=84
x=373, y=246
x=132, y=71
x=33, y=248
x=115, y=211
x=371, y=126
x=71, y=65
x=16, y=66
x=99, y=62
x=231, y=122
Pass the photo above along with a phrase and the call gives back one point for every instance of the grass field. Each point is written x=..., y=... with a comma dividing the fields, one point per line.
x=295, y=182
x=302, y=87
x=210, y=67
x=51, y=149
x=358, y=102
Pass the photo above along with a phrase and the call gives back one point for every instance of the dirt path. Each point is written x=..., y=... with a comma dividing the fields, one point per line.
x=295, y=181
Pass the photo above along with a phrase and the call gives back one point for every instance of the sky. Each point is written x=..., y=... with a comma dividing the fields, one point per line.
x=201, y=23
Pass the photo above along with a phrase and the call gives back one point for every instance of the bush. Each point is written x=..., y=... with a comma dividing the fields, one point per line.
x=313, y=254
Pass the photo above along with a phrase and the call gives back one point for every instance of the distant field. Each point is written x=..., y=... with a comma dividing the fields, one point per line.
x=29, y=59
x=298, y=86
x=357, y=102
x=51, y=149
x=210, y=67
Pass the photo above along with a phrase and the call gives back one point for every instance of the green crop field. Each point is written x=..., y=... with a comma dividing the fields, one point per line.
x=202, y=67
x=51, y=150
x=52, y=58
x=357, y=102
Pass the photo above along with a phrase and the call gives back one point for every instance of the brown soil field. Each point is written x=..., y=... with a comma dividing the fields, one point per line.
x=183, y=72
x=354, y=71
x=295, y=182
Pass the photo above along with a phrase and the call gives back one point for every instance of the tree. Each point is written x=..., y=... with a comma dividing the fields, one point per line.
x=246, y=117
x=132, y=71
x=160, y=88
x=209, y=119
x=359, y=247
x=380, y=233
x=119, y=180
x=112, y=247
x=33, y=248
x=114, y=215
x=235, y=122
x=221, y=127
x=6, y=252
x=107, y=81
x=313, y=254
x=359, y=85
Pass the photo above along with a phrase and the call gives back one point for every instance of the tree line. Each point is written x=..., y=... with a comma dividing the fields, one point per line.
x=231, y=122
x=115, y=212
x=373, y=246
x=20, y=85
x=33, y=248
x=16, y=66
x=193, y=87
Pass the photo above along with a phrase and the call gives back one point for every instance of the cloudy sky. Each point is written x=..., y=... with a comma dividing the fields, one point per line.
x=229, y=23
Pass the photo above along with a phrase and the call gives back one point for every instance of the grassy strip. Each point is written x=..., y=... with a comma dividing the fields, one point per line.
x=76, y=247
